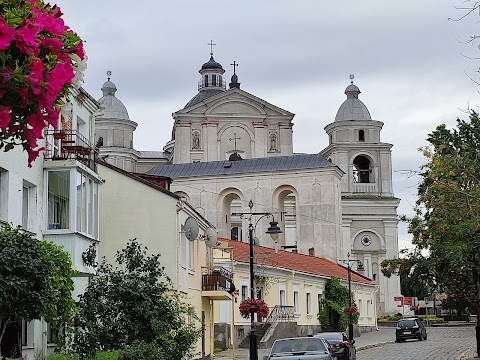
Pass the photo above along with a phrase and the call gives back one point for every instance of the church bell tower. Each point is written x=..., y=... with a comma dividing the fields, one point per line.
x=369, y=208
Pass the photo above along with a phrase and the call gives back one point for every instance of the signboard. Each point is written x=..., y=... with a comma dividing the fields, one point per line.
x=398, y=298
x=408, y=301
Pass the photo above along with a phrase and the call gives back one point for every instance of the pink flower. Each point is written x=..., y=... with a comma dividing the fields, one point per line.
x=52, y=117
x=48, y=22
x=36, y=76
x=4, y=117
x=5, y=75
x=33, y=154
x=26, y=38
x=37, y=122
x=79, y=50
x=53, y=43
x=7, y=34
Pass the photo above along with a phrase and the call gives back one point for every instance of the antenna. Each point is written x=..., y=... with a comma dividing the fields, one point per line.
x=191, y=228
x=211, y=237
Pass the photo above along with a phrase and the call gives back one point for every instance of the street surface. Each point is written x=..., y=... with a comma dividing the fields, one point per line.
x=444, y=343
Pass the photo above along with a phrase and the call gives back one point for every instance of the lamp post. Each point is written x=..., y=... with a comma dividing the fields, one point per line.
x=273, y=230
x=350, y=323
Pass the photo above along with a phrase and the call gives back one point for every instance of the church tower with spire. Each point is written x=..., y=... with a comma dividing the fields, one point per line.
x=114, y=130
x=369, y=208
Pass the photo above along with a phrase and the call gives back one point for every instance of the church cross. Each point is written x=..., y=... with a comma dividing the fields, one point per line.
x=235, y=140
x=234, y=66
x=211, y=44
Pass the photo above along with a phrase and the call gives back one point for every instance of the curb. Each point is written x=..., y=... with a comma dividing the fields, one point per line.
x=370, y=346
x=468, y=354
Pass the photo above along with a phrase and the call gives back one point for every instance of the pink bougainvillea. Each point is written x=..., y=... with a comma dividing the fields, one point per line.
x=41, y=59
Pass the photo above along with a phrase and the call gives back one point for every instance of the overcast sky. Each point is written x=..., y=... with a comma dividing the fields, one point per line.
x=409, y=62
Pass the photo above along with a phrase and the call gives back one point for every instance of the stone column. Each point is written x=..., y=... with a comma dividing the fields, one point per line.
x=182, y=142
x=211, y=145
x=285, y=144
x=260, y=145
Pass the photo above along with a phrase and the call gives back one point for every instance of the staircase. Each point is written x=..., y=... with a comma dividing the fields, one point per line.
x=260, y=330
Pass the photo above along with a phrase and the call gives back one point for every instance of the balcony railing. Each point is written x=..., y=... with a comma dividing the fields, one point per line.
x=217, y=279
x=281, y=313
x=70, y=144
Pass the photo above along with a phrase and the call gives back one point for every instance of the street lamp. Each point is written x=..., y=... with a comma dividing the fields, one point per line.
x=273, y=230
x=350, y=323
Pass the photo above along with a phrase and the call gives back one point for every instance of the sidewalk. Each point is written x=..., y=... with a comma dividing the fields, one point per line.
x=384, y=335
x=469, y=354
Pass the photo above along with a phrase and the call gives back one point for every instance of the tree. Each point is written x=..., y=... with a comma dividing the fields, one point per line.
x=35, y=280
x=134, y=305
x=446, y=225
x=335, y=300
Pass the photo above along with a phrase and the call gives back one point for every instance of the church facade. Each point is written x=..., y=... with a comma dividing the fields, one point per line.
x=229, y=147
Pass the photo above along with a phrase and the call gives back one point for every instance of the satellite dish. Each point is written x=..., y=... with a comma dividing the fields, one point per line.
x=211, y=237
x=190, y=228
x=200, y=210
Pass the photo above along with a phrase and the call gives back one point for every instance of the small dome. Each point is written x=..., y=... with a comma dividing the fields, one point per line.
x=114, y=108
x=352, y=108
x=211, y=64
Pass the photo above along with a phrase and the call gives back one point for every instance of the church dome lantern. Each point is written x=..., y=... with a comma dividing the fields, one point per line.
x=352, y=108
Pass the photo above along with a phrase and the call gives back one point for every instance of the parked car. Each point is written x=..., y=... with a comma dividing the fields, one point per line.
x=301, y=348
x=410, y=328
x=344, y=349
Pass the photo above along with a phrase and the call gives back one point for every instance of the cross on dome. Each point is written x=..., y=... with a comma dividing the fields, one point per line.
x=211, y=44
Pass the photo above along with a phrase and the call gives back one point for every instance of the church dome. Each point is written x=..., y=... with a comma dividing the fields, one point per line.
x=352, y=108
x=211, y=64
x=114, y=108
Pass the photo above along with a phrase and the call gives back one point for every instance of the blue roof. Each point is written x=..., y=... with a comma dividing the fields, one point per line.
x=257, y=165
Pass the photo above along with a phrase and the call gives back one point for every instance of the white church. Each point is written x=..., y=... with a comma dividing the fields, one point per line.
x=229, y=147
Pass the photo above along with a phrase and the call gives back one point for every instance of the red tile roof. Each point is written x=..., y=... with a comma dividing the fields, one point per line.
x=291, y=261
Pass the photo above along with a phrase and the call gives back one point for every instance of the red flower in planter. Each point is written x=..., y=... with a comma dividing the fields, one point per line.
x=350, y=310
x=251, y=306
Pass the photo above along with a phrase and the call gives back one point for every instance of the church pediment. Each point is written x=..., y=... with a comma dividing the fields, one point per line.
x=235, y=102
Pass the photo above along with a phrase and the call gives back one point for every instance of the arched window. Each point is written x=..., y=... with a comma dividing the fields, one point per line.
x=236, y=233
x=361, y=135
x=100, y=141
x=361, y=169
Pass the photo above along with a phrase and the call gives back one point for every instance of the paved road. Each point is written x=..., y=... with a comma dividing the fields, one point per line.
x=442, y=344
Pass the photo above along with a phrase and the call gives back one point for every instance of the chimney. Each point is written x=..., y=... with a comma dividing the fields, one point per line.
x=311, y=252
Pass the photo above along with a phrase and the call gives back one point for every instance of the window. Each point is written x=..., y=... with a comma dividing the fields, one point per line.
x=191, y=256
x=3, y=194
x=214, y=80
x=24, y=333
x=244, y=292
x=72, y=192
x=25, y=203
x=360, y=308
x=361, y=135
x=51, y=334
x=309, y=303
x=87, y=200
x=59, y=199
x=282, y=298
x=362, y=169
x=296, y=307
x=320, y=302
x=205, y=82
x=236, y=234
x=368, y=307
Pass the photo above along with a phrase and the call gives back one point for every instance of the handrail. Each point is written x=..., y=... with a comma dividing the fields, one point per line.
x=281, y=313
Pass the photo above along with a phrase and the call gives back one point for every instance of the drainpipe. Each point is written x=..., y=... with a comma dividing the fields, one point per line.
x=375, y=307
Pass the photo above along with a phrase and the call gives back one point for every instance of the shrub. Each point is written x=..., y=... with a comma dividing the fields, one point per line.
x=142, y=350
x=62, y=357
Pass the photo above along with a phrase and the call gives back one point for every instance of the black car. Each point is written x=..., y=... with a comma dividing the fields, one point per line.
x=411, y=328
x=344, y=349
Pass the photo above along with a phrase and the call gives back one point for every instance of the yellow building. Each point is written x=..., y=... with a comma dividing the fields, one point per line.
x=292, y=285
x=134, y=207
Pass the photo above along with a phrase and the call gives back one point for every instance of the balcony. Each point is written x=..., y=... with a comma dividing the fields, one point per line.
x=70, y=144
x=217, y=283
x=364, y=187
